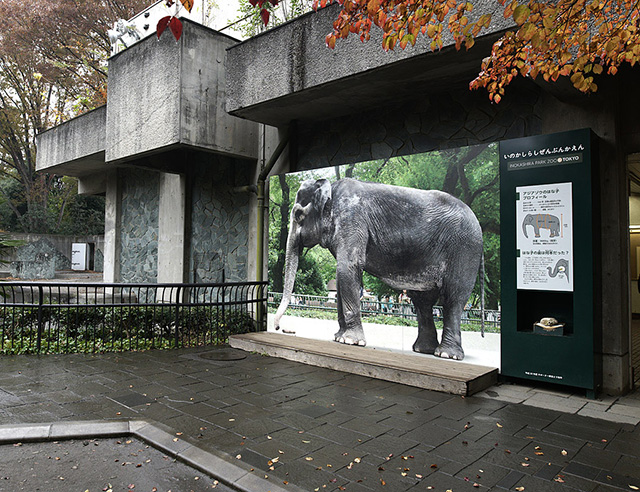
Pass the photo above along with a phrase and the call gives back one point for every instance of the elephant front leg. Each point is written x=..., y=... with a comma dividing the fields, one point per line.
x=451, y=345
x=350, y=331
x=427, y=340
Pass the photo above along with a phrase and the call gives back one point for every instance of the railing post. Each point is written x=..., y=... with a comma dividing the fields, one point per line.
x=39, y=336
x=260, y=308
x=177, y=334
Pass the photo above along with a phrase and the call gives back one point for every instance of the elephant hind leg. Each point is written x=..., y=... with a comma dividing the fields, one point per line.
x=427, y=340
x=451, y=345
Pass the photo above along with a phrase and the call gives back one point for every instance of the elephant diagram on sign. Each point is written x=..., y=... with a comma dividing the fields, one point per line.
x=423, y=241
x=541, y=221
x=561, y=267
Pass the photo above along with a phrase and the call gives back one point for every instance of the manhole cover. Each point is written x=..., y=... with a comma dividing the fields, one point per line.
x=224, y=354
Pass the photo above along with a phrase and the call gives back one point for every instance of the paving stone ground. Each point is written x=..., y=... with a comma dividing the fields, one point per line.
x=325, y=430
x=97, y=465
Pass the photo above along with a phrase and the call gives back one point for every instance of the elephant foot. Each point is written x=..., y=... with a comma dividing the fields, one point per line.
x=449, y=352
x=350, y=337
x=424, y=348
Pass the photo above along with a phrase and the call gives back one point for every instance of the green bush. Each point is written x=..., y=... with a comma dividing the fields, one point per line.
x=107, y=329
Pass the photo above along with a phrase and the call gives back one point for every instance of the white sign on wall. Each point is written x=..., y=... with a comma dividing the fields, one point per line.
x=79, y=256
x=544, y=228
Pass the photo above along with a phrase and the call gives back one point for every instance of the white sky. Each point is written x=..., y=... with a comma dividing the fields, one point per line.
x=224, y=14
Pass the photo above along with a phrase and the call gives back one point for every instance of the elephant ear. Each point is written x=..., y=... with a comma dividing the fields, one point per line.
x=322, y=194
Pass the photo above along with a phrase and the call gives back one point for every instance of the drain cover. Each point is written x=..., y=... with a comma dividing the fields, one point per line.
x=224, y=354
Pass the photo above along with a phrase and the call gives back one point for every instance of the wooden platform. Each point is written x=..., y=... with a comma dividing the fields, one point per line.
x=413, y=370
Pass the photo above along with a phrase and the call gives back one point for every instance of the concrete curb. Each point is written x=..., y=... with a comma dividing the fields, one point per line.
x=219, y=466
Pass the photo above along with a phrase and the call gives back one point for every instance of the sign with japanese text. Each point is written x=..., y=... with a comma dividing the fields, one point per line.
x=544, y=237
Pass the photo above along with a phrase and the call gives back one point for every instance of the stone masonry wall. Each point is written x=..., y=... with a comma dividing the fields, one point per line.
x=219, y=222
x=446, y=120
x=139, y=230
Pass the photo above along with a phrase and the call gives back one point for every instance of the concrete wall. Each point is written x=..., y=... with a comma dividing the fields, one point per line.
x=77, y=146
x=165, y=94
x=294, y=64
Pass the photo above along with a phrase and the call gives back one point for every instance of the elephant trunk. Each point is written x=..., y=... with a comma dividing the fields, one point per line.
x=553, y=272
x=291, y=266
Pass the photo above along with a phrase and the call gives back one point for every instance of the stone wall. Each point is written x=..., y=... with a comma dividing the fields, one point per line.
x=219, y=221
x=139, y=226
x=44, y=254
x=447, y=120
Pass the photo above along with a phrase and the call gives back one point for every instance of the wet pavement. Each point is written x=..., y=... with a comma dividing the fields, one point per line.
x=319, y=429
x=97, y=465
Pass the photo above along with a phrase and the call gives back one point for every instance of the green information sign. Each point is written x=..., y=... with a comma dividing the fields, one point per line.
x=547, y=259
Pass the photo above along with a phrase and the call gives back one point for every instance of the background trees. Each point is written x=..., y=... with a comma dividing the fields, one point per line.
x=53, y=66
x=253, y=18
x=469, y=173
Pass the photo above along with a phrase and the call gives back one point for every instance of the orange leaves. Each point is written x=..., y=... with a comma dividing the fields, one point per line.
x=187, y=4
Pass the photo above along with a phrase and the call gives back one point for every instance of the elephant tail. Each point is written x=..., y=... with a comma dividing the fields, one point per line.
x=482, y=294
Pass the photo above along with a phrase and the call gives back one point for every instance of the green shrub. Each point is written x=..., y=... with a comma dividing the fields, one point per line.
x=108, y=329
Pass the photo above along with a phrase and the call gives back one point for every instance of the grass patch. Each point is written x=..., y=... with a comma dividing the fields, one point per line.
x=381, y=319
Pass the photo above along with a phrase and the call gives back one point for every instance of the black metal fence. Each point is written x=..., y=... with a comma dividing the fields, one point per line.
x=47, y=318
x=387, y=307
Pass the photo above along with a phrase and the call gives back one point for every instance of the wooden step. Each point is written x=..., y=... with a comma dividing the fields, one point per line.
x=423, y=371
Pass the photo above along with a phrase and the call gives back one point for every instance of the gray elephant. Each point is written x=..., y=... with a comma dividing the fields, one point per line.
x=426, y=242
x=541, y=221
x=561, y=266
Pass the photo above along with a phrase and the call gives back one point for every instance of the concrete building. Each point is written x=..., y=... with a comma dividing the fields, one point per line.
x=189, y=128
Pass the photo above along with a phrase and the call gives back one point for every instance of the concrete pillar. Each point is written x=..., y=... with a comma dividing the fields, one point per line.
x=612, y=295
x=171, y=228
x=112, y=217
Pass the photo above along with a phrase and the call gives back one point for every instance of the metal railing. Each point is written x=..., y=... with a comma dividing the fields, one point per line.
x=46, y=318
x=368, y=306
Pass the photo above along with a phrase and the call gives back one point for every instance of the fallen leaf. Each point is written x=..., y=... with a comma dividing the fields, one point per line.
x=564, y=453
x=238, y=456
x=434, y=466
x=269, y=437
x=520, y=489
x=633, y=487
x=178, y=433
x=418, y=475
x=357, y=460
x=498, y=424
x=383, y=482
x=309, y=458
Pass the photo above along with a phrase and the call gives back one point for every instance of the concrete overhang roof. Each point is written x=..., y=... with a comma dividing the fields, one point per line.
x=288, y=73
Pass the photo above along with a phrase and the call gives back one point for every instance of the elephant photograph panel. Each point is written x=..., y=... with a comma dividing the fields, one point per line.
x=406, y=240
